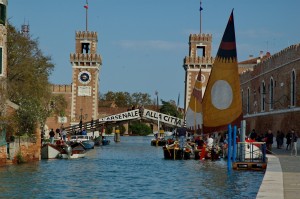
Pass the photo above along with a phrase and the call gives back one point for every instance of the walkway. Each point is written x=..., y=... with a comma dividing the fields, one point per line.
x=282, y=177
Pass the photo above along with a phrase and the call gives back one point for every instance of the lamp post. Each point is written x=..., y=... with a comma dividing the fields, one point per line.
x=156, y=93
x=82, y=117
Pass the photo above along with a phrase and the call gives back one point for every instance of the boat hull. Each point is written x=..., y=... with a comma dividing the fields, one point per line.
x=50, y=151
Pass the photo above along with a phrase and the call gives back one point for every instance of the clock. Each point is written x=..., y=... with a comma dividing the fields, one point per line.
x=84, y=77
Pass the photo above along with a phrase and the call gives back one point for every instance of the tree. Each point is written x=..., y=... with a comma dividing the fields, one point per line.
x=138, y=128
x=27, y=84
x=170, y=108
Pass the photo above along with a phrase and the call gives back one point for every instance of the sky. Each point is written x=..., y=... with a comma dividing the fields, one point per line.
x=143, y=42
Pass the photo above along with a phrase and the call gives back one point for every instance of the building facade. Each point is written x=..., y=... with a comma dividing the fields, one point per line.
x=270, y=92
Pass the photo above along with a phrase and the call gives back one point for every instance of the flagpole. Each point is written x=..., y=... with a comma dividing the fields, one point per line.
x=200, y=16
x=86, y=16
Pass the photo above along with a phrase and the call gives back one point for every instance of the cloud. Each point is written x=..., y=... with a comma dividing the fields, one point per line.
x=153, y=44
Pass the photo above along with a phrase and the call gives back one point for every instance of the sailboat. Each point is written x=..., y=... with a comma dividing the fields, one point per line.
x=221, y=104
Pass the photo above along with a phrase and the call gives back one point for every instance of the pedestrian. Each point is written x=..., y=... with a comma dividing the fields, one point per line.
x=51, y=134
x=63, y=134
x=278, y=139
x=281, y=137
x=269, y=141
x=182, y=134
x=253, y=135
x=294, y=142
x=288, y=140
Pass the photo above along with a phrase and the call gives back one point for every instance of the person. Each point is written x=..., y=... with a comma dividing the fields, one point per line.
x=281, y=137
x=253, y=135
x=83, y=132
x=288, y=140
x=51, y=134
x=209, y=141
x=294, y=142
x=63, y=134
x=269, y=141
x=182, y=134
x=278, y=139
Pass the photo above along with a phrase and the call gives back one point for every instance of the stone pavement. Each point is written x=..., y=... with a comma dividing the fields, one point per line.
x=282, y=177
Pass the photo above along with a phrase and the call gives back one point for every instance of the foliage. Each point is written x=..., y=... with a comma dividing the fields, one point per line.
x=125, y=99
x=170, y=108
x=58, y=104
x=109, y=130
x=20, y=158
x=28, y=85
x=140, y=129
x=122, y=129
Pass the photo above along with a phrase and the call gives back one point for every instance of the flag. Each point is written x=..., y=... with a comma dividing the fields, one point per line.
x=200, y=8
x=222, y=104
x=194, y=117
x=86, y=6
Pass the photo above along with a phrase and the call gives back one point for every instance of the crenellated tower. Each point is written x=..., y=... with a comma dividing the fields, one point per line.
x=199, y=62
x=86, y=63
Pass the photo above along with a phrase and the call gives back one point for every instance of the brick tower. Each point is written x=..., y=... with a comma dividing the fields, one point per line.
x=199, y=61
x=86, y=65
x=3, y=58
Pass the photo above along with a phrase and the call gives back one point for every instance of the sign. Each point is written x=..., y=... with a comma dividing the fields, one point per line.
x=84, y=91
x=129, y=115
x=62, y=120
x=162, y=117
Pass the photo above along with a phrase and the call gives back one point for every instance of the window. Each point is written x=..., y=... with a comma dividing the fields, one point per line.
x=248, y=101
x=293, y=88
x=271, y=94
x=1, y=64
x=262, y=96
x=2, y=14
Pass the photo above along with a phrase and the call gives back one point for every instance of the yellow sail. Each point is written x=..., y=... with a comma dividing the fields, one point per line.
x=221, y=102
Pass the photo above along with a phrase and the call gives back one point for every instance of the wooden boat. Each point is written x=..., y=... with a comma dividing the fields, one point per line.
x=173, y=152
x=84, y=139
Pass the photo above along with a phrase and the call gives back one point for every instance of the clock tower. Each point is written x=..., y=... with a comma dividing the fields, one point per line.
x=86, y=63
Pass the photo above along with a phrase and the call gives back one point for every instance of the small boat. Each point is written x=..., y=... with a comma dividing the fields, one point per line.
x=73, y=151
x=105, y=141
x=158, y=142
x=84, y=139
x=173, y=152
x=50, y=151
x=62, y=150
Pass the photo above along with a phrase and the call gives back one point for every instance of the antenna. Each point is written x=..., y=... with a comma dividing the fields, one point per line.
x=200, y=9
x=86, y=6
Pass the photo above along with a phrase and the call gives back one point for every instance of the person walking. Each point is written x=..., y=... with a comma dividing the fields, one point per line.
x=63, y=134
x=51, y=134
x=269, y=141
x=288, y=140
x=294, y=142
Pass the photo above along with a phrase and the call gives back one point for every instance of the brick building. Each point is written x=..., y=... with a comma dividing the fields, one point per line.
x=270, y=92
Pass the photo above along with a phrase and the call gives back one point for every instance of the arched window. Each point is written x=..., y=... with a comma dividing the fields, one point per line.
x=271, y=93
x=293, y=88
x=262, y=96
x=248, y=100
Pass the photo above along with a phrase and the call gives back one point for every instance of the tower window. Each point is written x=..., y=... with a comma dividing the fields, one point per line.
x=201, y=51
x=2, y=14
x=85, y=47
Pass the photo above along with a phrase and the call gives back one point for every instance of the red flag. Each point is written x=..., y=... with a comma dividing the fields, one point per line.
x=86, y=6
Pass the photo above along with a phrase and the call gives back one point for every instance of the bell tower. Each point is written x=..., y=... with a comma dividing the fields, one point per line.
x=86, y=63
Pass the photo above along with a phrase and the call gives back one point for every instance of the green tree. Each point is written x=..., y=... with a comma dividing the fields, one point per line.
x=170, y=108
x=138, y=128
x=28, y=84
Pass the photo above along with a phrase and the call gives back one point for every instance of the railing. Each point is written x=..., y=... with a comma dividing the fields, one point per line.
x=251, y=152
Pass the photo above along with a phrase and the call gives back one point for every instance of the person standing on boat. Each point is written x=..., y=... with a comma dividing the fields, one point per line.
x=51, y=134
x=181, y=133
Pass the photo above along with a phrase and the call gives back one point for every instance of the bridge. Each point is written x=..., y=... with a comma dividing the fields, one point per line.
x=137, y=114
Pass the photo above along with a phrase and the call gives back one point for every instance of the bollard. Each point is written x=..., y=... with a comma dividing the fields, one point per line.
x=117, y=136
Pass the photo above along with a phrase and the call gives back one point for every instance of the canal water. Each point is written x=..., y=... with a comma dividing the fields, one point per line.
x=131, y=168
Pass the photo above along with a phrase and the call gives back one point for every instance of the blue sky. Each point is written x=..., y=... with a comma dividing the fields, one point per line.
x=143, y=42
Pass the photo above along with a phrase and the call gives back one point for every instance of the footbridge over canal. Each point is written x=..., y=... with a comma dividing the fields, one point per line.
x=137, y=114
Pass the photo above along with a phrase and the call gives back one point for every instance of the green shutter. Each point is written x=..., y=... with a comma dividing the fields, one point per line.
x=1, y=65
x=2, y=14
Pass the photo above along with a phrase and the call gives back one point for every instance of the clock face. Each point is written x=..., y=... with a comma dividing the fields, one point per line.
x=84, y=77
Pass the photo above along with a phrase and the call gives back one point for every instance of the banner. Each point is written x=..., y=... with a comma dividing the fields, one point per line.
x=162, y=117
x=129, y=115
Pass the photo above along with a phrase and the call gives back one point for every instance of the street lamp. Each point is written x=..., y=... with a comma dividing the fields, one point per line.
x=156, y=93
x=82, y=117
